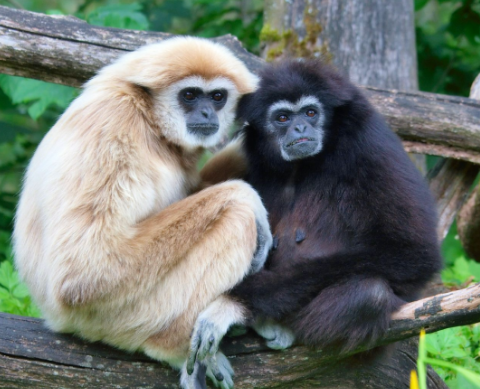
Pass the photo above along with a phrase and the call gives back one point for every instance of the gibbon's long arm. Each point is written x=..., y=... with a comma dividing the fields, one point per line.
x=277, y=294
x=161, y=242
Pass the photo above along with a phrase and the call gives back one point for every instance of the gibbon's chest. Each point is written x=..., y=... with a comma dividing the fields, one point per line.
x=305, y=225
x=173, y=180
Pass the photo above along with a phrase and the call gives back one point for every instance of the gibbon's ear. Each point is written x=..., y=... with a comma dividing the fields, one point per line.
x=244, y=107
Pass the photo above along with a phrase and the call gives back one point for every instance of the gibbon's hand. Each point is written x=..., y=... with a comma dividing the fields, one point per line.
x=264, y=243
x=211, y=326
x=278, y=336
x=204, y=343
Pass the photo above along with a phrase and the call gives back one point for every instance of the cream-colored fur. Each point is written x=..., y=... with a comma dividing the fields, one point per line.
x=108, y=237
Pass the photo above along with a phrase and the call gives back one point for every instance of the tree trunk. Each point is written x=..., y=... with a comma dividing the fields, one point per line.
x=468, y=219
x=373, y=42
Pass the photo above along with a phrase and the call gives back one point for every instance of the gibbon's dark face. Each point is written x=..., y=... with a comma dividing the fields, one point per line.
x=298, y=127
x=201, y=109
x=297, y=110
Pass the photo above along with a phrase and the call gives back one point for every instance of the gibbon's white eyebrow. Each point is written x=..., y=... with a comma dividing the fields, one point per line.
x=294, y=107
x=203, y=84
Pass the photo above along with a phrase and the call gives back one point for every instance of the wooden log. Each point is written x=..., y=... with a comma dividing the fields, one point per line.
x=31, y=356
x=67, y=50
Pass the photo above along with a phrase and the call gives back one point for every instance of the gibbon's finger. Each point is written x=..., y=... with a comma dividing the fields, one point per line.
x=193, y=351
x=223, y=365
x=215, y=368
x=211, y=336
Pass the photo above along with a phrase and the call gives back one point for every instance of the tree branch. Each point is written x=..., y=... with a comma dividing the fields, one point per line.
x=32, y=356
x=68, y=51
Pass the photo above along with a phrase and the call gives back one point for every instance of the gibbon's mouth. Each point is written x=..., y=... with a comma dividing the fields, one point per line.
x=203, y=128
x=300, y=140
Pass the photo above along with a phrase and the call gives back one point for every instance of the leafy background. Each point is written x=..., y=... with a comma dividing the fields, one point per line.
x=448, y=49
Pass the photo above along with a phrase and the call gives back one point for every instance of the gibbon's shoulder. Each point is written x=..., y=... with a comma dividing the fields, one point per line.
x=159, y=65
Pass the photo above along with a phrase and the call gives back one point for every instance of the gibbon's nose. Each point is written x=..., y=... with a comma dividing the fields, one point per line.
x=206, y=112
x=300, y=128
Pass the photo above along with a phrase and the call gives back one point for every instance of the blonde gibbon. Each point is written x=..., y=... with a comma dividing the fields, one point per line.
x=112, y=235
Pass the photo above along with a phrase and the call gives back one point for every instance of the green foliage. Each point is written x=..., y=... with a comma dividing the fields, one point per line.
x=39, y=95
x=462, y=271
x=127, y=16
x=14, y=296
x=448, y=45
x=452, y=352
x=208, y=18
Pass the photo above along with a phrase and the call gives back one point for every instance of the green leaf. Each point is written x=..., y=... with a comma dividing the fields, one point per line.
x=469, y=375
x=460, y=382
x=21, y=291
x=41, y=94
x=8, y=276
x=119, y=16
x=474, y=269
x=4, y=294
x=447, y=343
x=459, y=272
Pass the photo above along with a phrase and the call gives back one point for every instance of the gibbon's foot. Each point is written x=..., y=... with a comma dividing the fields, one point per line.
x=205, y=341
x=278, y=336
x=220, y=371
x=264, y=243
x=195, y=380
x=211, y=326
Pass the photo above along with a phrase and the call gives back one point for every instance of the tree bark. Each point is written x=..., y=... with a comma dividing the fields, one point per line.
x=33, y=357
x=468, y=219
x=373, y=42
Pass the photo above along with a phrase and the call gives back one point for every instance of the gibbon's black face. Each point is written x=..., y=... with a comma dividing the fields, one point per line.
x=201, y=109
x=298, y=127
x=297, y=110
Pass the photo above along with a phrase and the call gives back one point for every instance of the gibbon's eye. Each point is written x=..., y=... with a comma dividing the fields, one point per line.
x=282, y=118
x=311, y=113
x=217, y=96
x=189, y=95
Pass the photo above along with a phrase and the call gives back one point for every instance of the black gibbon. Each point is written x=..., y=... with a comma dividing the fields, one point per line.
x=111, y=235
x=353, y=221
